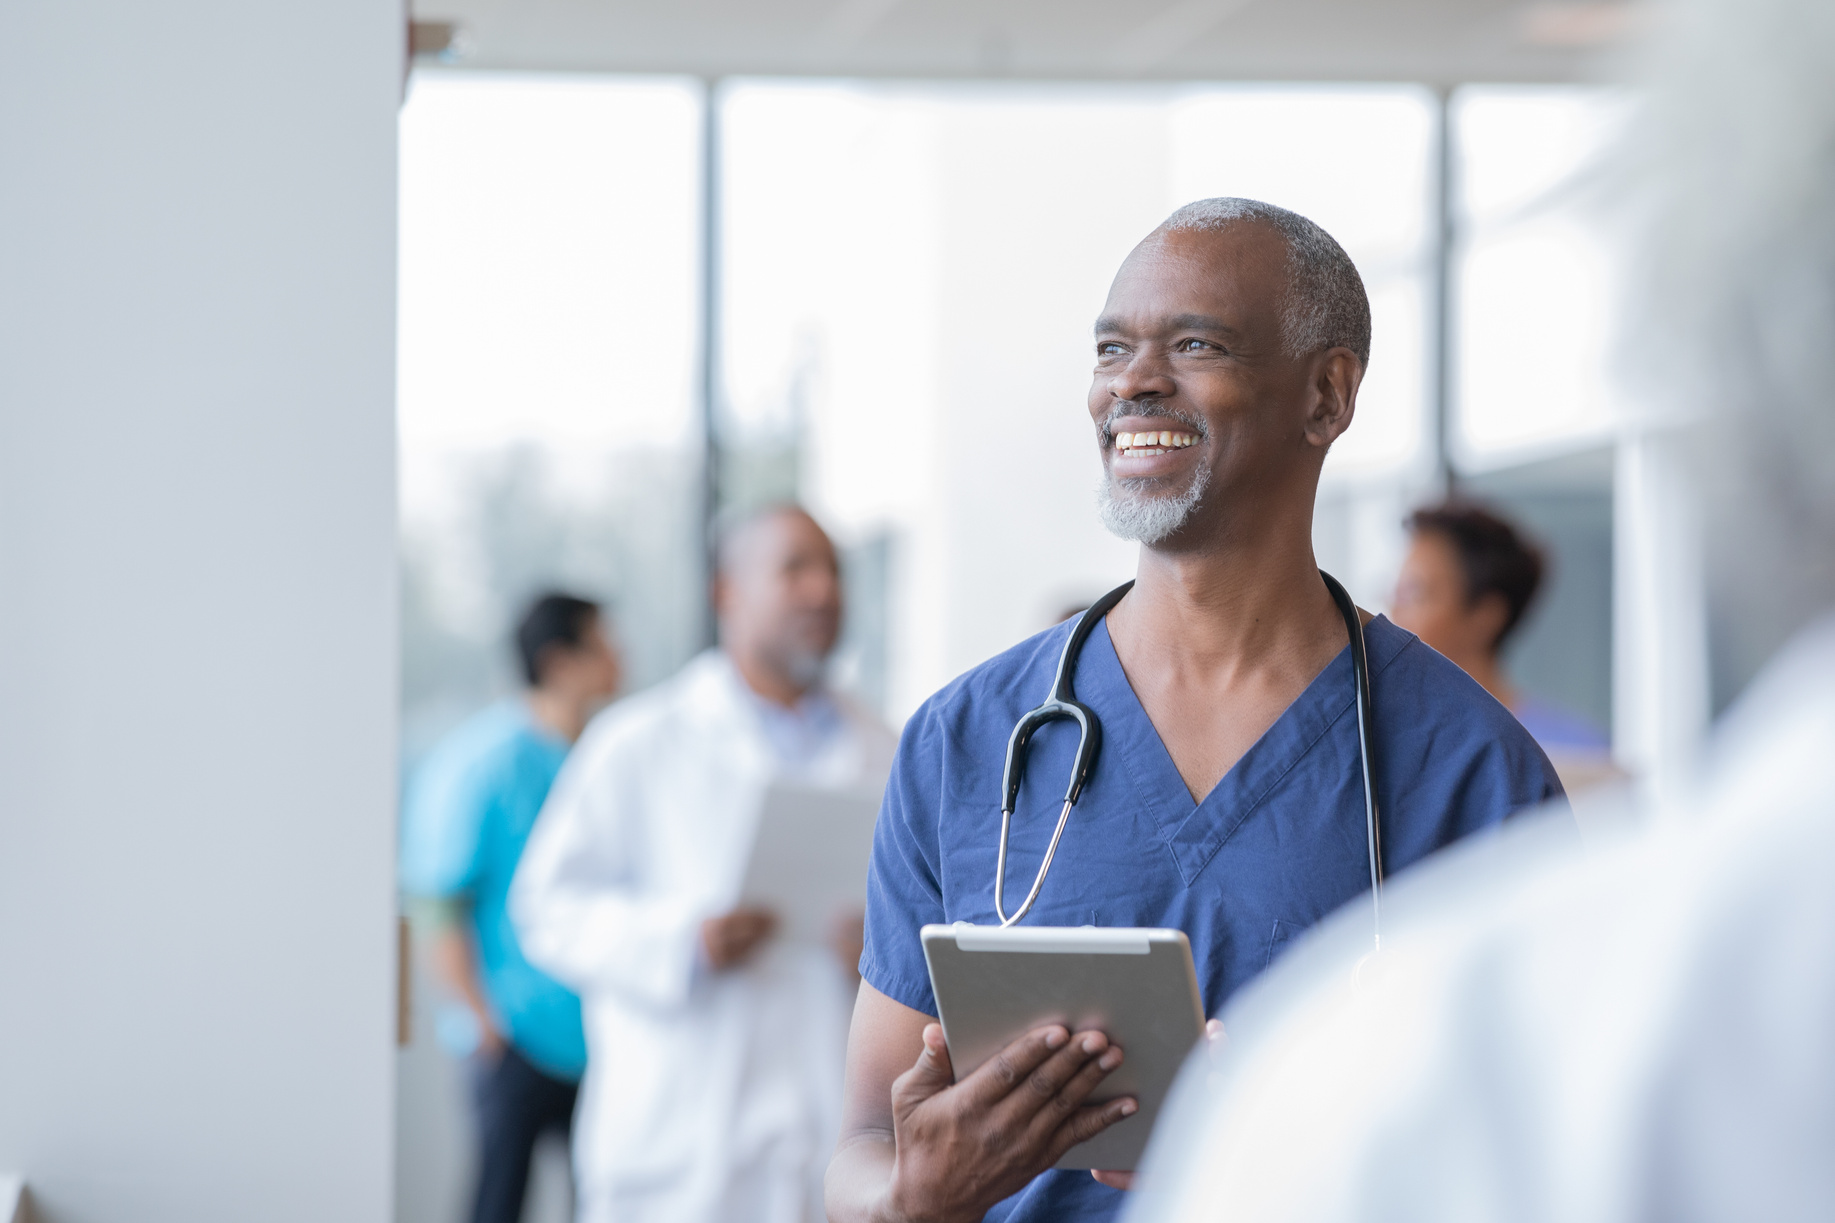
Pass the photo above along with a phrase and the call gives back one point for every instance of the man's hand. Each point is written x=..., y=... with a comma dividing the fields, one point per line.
x=962, y=1147
x=490, y=1041
x=730, y=940
x=1213, y=1034
x=455, y=964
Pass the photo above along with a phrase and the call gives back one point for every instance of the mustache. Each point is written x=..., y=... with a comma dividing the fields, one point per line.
x=1152, y=411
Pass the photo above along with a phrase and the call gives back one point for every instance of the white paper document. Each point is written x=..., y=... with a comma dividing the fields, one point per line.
x=809, y=858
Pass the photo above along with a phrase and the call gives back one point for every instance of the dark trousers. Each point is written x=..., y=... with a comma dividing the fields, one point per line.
x=515, y=1105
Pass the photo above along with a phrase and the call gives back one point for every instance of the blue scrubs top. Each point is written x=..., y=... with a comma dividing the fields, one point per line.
x=468, y=814
x=1275, y=847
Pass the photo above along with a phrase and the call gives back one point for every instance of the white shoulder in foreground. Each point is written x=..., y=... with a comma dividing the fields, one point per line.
x=1646, y=1033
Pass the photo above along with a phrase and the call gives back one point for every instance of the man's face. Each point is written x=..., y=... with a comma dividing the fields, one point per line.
x=781, y=594
x=591, y=670
x=601, y=665
x=1198, y=405
x=1431, y=601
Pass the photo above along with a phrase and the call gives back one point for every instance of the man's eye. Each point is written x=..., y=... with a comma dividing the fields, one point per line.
x=1193, y=345
x=1108, y=350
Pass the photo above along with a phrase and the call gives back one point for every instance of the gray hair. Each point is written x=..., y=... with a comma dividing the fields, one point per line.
x=735, y=528
x=1326, y=303
x=1734, y=302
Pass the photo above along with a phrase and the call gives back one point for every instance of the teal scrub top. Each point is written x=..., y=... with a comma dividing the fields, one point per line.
x=468, y=813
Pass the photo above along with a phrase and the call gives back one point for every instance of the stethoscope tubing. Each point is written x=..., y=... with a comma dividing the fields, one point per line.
x=1063, y=704
x=1360, y=678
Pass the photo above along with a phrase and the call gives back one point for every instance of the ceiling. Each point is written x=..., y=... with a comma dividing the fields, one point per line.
x=1437, y=41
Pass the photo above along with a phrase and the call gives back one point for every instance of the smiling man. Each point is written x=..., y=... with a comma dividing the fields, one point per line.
x=1227, y=799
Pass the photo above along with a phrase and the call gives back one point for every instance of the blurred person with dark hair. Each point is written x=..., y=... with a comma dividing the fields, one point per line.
x=467, y=816
x=717, y=1051
x=1646, y=1031
x=1466, y=582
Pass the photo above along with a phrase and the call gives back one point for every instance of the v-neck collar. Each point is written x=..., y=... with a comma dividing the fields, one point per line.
x=1195, y=831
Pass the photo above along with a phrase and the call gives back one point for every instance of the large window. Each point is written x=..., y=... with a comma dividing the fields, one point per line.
x=1535, y=286
x=548, y=436
x=907, y=279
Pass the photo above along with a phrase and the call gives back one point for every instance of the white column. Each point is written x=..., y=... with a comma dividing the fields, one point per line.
x=1660, y=656
x=197, y=607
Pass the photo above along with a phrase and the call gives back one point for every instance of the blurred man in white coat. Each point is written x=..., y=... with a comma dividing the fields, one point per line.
x=1646, y=1032
x=714, y=1078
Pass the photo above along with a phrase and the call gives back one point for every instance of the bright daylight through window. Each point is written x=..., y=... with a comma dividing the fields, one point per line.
x=908, y=276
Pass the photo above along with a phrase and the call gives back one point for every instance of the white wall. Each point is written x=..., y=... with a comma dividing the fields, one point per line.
x=197, y=645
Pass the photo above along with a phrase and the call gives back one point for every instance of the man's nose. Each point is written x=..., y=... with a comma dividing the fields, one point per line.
x=1147, y=375
x=819, y=589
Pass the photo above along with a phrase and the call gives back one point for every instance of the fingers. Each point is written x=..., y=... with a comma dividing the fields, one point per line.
x=996, y=1078
x=1087, y=1122
x=1213, y=1029
x=731, y=938
x=1061, y=1086
x=750, y=925
x=1114, y=1180
x=758, y=927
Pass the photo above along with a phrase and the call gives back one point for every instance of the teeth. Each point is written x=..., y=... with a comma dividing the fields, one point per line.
x=1146, y=444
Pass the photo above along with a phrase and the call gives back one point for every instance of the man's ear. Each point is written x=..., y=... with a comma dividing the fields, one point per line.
x=718, y=591
x=1336, y=377
x=1491, y=611
x=547, y=659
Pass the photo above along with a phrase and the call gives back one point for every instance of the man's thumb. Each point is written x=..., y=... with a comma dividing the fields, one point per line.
x=933, y=1072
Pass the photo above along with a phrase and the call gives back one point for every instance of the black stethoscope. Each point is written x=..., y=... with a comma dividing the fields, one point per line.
x=1062, y=703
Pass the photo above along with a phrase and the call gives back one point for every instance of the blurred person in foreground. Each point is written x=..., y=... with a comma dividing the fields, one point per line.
x=716, y=1052
x=1647, y=1032
x=1228, y=800
x=467, y=815
x=1468, y=578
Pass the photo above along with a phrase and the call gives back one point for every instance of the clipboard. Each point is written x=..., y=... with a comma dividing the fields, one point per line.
x=1137, y=985
x=810, y=851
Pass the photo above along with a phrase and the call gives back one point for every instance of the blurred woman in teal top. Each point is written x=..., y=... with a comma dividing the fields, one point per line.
x=468, y=813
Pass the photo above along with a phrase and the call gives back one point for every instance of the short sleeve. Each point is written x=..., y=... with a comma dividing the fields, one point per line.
x=904, y=887
x=1452, y=762
x=442, y=826
x=1507, y=774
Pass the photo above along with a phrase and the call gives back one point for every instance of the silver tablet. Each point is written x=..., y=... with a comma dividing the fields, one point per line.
x=1136, y=985
x=809, y=858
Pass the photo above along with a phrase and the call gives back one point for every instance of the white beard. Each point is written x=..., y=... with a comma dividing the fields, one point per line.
x=804, y=668
x=1131, y=510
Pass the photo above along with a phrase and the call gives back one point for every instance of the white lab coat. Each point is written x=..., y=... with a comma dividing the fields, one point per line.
x=1645, y=1032
x=709, y=1097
